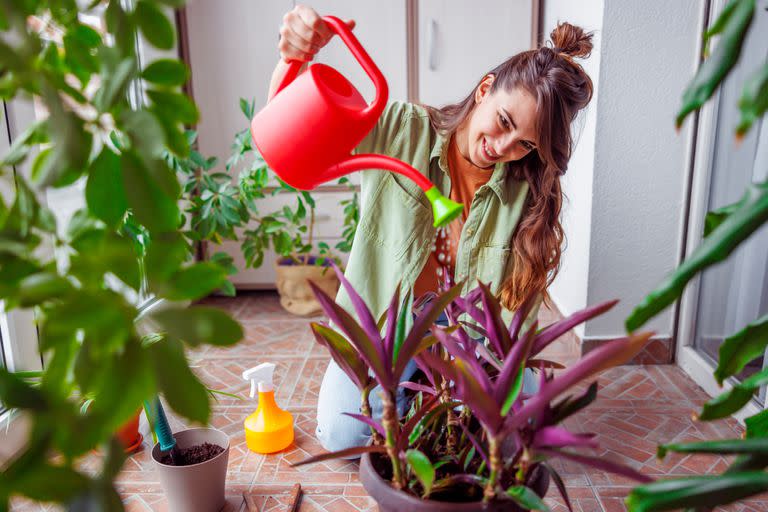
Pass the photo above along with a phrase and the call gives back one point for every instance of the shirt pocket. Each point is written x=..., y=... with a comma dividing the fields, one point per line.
x=491, y=265
x=395, y=218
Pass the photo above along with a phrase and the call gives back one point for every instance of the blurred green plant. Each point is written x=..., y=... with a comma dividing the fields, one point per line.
x=289, y=231
x=82, y=76
x=726, y=228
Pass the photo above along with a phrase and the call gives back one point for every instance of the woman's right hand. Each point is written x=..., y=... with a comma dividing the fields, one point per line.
x=303, y=33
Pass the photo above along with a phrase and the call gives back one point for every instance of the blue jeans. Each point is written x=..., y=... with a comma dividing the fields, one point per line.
x=338, y=394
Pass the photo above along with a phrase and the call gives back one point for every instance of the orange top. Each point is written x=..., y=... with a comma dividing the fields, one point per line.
x=466, y=178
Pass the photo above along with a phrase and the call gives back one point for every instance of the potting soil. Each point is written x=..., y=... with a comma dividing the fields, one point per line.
x=193, y=454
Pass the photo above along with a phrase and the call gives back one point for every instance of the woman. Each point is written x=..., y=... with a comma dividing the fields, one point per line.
x=500, y=152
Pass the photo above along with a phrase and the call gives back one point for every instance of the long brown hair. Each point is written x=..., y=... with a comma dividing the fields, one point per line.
x=561, y=88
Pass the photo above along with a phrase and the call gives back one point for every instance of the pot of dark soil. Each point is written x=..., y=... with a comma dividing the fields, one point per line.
x=292, y=282
x=196, y=483
x=375, y=475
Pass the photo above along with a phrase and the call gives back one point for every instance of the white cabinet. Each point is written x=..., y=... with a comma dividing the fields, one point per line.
x=461, y=40
x=233, y=50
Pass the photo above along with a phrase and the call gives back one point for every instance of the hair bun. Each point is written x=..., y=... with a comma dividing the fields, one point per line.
x=571, y=40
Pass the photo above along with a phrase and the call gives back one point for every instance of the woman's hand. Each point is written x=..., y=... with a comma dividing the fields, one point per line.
x=303, y=33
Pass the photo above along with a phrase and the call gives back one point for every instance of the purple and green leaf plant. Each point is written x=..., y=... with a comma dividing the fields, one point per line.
x=491, y=399
x=385, y=355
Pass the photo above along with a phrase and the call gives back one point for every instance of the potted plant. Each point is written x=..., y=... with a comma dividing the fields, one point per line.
x=471, y=435
x=84, y=293
x=289, y=231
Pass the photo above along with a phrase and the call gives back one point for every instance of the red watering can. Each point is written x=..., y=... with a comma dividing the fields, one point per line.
x=307, y=131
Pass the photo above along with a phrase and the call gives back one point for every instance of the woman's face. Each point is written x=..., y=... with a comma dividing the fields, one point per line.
x=501, y=128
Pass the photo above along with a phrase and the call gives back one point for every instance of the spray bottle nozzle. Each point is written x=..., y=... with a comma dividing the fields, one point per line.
x=261, y=375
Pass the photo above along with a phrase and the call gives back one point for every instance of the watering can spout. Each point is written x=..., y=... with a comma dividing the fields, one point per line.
x=310, y=126
x=444, y=210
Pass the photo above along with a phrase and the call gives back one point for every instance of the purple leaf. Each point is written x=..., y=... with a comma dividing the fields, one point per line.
x=474, y=396
x=357, y=336
x=368, y=421
x=514, y=360
x=560, y=485
x=494, y=325
x=421, y=325
x=418, y=387
x=367, y=321
x=557, y=329
x=457, y=351
x=559, y=437
x=405, y=432
x=595, y=462
x=357, y=450
x=476, y=444
x=389, y=337
x=520, y=315
x=486, y=354
x=461, y=478
x=343, y=353
x=609, y=354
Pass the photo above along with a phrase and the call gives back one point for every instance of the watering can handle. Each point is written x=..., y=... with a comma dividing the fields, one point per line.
x=340, y=28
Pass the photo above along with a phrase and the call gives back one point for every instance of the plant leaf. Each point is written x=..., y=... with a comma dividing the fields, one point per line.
x=104, y=191
x=183, y=391
x=698, y=491
x=422, y=468
x=733, y=400
x=526, y=498
x=757, y=425
x=343, y=353
x=356, y=335
x=599, y=463
x=357, y=450
x=170, y=72
x=368, y=421
x=200, y=324
x=154, y=25
x=756, y=446
x=713, y=70
x=741, y=348
x=751, y=214
x=754, y=101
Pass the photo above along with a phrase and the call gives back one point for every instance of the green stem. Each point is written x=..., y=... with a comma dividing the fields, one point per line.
x=494, y=460
x=365, y=408
x=391, y=427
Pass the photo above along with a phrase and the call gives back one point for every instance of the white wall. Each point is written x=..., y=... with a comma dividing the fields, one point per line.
x=624, y=217
x=569, y=290
x=649, y=56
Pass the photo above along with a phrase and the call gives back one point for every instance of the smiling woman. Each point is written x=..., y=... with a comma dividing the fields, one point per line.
x=501, y=151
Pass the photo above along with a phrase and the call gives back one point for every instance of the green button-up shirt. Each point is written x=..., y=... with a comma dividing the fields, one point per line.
x=395, y=233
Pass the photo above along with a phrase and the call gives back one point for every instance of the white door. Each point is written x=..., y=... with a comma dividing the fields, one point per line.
x=461, y=40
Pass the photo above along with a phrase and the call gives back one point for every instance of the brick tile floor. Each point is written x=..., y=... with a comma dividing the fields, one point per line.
x=637, y=408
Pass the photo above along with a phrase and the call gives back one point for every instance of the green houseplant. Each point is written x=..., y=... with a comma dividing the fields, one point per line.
x=288, y=231
x=86, y=322
x=725, y=229
x=471, y=435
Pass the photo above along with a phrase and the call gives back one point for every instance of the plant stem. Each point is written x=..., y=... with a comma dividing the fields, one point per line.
x=365, y=408
x=451, y=421
x=494, y=460
x=390, y=424
x=311, y=227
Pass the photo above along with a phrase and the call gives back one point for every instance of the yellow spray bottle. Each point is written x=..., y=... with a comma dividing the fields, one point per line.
x=269, y=429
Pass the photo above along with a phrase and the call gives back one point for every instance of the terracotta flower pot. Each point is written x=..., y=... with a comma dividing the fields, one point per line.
x=129, y=435
x=293, y=286
x=196, y=487
x=390, y=499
